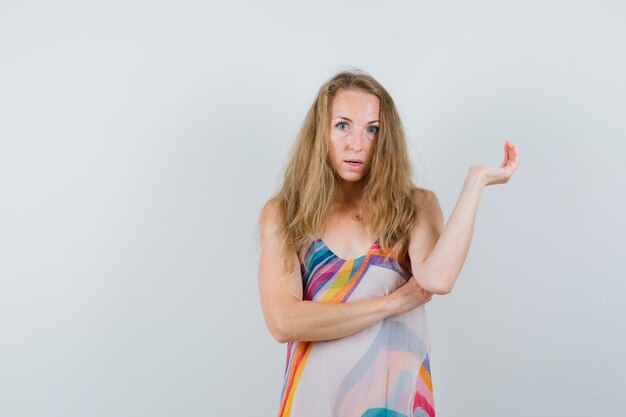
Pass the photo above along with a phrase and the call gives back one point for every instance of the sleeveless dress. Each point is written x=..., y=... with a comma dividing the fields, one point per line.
x=382, y=370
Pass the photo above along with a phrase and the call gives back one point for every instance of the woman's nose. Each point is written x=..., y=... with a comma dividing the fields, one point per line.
x=356, y=141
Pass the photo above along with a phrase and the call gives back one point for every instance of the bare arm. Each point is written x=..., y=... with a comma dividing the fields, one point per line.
x=439, y=271
x=437, y=268
x=290, y=318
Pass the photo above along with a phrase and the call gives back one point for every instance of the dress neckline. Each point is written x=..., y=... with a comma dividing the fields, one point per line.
x=319, y=238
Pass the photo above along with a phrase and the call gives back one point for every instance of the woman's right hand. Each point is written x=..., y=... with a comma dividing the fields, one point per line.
x=408, y=296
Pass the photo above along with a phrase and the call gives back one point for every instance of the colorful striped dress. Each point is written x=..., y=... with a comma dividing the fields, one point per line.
x=382, y=370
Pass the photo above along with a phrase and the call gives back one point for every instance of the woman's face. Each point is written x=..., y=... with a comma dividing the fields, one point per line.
x=354, y=128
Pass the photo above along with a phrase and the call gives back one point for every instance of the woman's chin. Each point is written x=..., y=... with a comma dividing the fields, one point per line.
x=351, y=177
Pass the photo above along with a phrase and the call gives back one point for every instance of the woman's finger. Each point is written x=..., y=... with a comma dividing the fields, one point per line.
x=514, y=157
x=507, y=155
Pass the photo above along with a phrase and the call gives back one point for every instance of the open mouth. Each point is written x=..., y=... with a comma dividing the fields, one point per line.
x=354, y=162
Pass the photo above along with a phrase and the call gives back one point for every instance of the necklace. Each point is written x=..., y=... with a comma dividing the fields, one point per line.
x=355, y=216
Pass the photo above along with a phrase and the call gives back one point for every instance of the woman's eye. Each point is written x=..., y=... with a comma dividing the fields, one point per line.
x=342, y=126
x=373, y=129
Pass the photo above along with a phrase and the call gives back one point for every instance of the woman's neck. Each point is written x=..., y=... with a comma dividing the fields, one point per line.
x=349, y=192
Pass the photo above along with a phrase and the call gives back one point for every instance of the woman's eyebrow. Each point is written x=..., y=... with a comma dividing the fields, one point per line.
x=345, y=118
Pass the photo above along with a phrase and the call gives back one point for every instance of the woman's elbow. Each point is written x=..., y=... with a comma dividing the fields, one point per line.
x=435, y=286
x=278, y=336
x=280, y=330
x=443, y=290
x=440, y=288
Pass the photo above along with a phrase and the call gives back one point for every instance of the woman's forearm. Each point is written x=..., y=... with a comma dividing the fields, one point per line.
x=314, y=320
x=448, y=256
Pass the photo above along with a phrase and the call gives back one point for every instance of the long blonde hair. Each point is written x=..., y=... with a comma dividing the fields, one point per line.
x=305, y=197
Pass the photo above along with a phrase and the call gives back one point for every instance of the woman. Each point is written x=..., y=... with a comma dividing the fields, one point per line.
x=352, y=311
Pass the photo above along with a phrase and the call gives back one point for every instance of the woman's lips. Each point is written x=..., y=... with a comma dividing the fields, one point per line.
x=353, y=165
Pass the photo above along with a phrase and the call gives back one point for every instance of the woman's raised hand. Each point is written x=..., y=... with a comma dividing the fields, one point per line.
x=501, y=174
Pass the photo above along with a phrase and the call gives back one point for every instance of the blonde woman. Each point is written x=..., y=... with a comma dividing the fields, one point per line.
x=352, y=250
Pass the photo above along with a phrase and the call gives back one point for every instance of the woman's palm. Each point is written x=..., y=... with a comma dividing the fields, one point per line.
x=501, y=174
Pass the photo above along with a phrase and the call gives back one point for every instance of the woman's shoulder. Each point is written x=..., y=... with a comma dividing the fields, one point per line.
x=271, y=206
x=271, y=224
x=428, y=206
x=424, y=197
x=270, y=216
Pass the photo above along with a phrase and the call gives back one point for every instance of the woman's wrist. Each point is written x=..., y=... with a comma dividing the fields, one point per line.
x=390, y=305
x=476, y=175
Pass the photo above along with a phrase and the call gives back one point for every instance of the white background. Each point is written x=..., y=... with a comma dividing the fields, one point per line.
x=139, y=141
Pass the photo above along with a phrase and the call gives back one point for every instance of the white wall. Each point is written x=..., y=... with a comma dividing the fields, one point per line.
x=139, y=140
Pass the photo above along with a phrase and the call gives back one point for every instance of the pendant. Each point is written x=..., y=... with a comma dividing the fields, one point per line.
x=356, y=217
